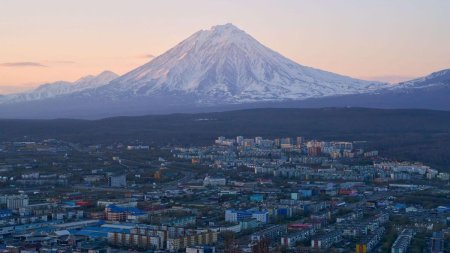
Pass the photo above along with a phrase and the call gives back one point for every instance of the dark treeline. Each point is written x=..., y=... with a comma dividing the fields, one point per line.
x=420, y=135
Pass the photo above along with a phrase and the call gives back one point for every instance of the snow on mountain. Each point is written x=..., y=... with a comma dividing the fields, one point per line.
x=226, y=65
x=89, y=82
x=50, y=90
x=428, y=92
x=220, y=68
x=438, y=78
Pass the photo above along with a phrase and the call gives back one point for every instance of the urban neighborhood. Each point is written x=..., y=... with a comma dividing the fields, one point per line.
x=238, y=194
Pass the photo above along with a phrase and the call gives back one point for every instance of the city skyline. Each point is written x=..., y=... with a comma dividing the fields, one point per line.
x=48, y=41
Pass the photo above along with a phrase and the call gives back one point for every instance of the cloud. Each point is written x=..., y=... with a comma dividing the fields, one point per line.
x=150, y=56
x=22, y=64
x=63, y=62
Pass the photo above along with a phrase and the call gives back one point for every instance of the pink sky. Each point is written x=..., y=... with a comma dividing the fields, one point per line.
x=50, y=40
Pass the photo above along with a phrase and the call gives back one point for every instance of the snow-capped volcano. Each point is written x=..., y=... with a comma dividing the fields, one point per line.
x=226, y=65
x=50, y=90
x=221, y=68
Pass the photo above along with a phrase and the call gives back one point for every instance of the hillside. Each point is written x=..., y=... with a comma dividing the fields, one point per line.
x=421, y=135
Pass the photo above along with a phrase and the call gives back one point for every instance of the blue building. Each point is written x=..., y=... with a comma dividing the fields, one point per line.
x=256, y=198
x=5, y=213
x=305, y=193
x=443, y=209
x=131, y=210
x=237, y=215
x=286, y=212
x=437, y=242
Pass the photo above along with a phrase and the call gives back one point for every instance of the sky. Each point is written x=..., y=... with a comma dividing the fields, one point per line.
x=387, y=40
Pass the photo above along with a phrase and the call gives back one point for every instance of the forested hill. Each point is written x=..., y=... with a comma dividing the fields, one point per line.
x=422, y=135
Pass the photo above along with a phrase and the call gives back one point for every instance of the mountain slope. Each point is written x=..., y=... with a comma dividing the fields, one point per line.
x=429, y=92
x=219, y=69
x=433, y=80
x=55, y=89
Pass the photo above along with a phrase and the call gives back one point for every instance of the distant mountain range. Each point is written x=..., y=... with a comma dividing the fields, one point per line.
x=51, y=90
x=218, y=69
x=429, y=92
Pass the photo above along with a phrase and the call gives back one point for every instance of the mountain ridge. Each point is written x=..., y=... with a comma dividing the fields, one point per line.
x=224, y=68
x=58, y=88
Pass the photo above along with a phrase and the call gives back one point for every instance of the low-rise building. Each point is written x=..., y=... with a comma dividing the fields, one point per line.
x=237, y=215
x=326, y=240
x=403, y=241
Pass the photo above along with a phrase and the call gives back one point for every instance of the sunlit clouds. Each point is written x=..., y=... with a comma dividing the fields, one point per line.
x=21, y=64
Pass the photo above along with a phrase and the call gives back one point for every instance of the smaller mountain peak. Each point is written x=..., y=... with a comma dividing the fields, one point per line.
x=225, y=27
x=96, y=80
x=107, y=73
x=104, y=74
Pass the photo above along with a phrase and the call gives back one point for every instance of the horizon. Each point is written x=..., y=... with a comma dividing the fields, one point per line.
x=224, y=126
x=69, y=41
